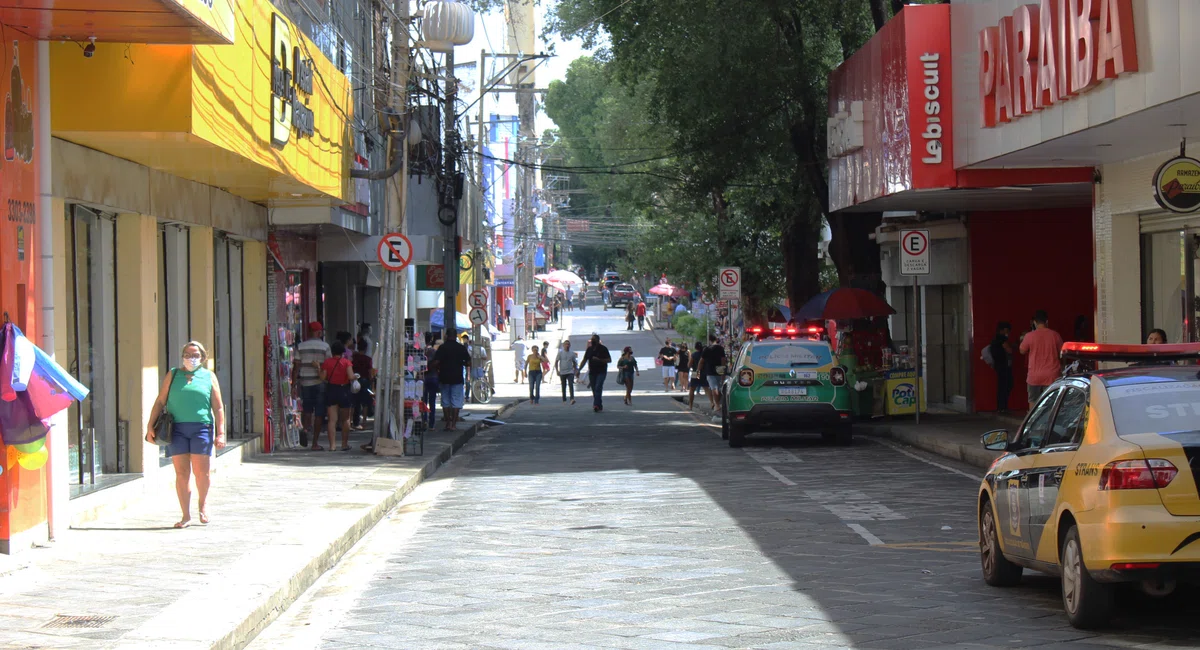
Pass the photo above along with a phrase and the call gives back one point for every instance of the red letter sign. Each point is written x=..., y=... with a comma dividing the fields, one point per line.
x=1116, y=49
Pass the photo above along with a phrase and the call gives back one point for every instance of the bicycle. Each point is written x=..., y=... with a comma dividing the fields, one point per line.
x=481, y=387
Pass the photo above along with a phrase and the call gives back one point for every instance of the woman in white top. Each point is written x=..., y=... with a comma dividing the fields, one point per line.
x=566, y=364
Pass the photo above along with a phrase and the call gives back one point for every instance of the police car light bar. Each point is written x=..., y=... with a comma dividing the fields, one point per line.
x=1109, y=352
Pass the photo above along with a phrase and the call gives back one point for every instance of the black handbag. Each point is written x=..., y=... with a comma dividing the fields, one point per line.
x=164, y=426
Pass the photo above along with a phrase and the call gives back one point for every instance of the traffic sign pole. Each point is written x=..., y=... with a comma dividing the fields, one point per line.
x=915, y=261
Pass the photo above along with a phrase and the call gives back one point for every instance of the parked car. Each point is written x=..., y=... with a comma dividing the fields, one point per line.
x=785, y=379
x=1099, y=484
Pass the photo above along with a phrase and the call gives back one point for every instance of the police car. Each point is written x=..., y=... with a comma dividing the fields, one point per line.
x=1101, y=483
x=785, y=378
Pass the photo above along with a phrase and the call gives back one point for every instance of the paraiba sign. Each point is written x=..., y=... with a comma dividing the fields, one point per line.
x=291, y=77
x=1049, y=52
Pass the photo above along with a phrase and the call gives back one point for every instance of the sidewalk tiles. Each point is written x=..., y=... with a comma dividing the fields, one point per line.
x=128, y=579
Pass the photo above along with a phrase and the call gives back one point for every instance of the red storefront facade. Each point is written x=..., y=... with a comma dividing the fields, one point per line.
x=1005, y=241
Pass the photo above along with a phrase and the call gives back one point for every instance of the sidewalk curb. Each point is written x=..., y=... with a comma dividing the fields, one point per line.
x=973, y=455
x=275, y=603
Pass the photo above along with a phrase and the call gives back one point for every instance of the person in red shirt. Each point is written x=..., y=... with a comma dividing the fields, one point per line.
x=641, y=314
x=337, y=373
x=1042, y=346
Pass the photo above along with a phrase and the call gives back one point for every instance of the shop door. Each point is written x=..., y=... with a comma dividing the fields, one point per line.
x=96, y=446
x=229, y=356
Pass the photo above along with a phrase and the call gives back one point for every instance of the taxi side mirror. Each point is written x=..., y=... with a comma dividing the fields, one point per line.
x=996, y=440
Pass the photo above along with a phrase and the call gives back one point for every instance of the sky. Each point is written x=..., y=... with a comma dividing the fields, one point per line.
x=490, y=34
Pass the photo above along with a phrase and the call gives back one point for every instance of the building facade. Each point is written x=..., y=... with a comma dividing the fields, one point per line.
x=146, y=158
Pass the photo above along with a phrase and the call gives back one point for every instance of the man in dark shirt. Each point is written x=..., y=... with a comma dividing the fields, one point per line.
x=711, y=360
x=597, y=359
x=667, y=356
x=450, y=362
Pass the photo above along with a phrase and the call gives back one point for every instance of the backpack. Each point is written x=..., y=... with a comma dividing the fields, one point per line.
x=986, y=355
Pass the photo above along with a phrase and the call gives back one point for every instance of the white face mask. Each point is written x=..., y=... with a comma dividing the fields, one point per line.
x=191, y=363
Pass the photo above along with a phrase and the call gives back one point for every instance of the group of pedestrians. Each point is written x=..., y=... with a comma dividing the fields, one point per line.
x=635, y=312
x=333, y=382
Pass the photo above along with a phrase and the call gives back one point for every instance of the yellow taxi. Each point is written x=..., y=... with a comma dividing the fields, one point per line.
x=1101, y=483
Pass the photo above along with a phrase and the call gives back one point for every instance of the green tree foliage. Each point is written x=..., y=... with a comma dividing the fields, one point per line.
x=737, y=96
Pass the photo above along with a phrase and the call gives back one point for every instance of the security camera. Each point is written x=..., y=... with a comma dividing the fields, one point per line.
x=90, y=49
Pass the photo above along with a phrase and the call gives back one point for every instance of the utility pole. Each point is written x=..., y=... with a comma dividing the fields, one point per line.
x=448, y=208
x=393, y=118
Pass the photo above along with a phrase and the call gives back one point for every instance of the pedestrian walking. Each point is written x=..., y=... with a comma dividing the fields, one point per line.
x=311, y=353
x=605, y=297
x=999, y=357
x=545, y=359
x=712, y=366
x=430, y=389
x=683, y=360
x=570, y=295
x=364, y=336
x=191, y=396
x=337, y=372
x=697, y=381
x=364, y=367
x=344, y=338
x=518, y=347
x=558, y=303
x=508, y=308
x=1042, y=345
x=451, y=362
x=533, y=365
x=641, y=314
x=666, y=360
x=566, y=364
x=597, y=359
x=629, y=308
x=627, y=367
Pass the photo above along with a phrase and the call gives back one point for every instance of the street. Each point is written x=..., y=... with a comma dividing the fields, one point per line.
x=638, y=527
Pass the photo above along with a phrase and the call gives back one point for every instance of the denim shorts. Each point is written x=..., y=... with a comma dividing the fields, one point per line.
x=714, y=383
x=312, y=398
x=191, y=438
x=452, y=396
x=337, y=395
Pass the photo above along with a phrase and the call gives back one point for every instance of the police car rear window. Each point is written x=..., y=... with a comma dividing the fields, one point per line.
x=1157, y=407
x=790, y=354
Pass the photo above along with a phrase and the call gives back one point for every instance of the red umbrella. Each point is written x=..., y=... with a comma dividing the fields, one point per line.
x=665, y=289
x=839, y=304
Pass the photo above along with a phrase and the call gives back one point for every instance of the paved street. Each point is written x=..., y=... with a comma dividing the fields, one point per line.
x=639, y=528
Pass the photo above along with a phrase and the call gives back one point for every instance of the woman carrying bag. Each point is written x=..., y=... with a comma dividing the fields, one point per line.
x=627, y=367
x=183, y=419
x=338, y=373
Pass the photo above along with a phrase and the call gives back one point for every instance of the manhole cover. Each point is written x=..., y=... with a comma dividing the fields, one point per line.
x=80, y=622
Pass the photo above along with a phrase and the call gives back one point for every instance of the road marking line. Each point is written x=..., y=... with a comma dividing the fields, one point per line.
x=904, y=451
x=866, y=534
x=782, y=479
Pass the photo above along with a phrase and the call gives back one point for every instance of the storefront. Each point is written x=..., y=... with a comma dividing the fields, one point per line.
x=1007, y=240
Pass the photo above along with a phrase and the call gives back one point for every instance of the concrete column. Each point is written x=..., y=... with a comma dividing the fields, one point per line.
x=59, y=476
x=254, y=286
x=137, y=337
x=202, y=284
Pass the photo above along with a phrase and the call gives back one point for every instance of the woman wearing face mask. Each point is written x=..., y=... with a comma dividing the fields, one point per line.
x=191, y=395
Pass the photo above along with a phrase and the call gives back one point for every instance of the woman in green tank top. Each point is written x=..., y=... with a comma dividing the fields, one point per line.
x=192, y=396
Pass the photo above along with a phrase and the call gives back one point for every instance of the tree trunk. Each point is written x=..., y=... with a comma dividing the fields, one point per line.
x=879, y=14
x=799, y=243
x=854, y=253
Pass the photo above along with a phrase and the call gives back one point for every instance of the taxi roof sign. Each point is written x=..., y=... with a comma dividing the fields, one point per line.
x=1114, y=352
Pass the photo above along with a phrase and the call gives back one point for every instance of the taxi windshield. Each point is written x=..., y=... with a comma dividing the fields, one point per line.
x=790, y=354
x=1155, y=407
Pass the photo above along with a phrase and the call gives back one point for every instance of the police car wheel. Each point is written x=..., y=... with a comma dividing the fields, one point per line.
x=724, y=420
x=737, y=435
x=1089, y=604
x=997, y=570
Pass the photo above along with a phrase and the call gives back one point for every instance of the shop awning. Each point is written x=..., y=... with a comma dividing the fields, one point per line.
x=190, y=22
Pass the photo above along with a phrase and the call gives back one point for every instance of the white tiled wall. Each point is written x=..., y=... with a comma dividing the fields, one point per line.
x=1167, y=71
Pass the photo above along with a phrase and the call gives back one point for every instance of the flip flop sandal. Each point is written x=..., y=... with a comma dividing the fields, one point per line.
x=318, y=448
x=346, y=448
x=183, y=524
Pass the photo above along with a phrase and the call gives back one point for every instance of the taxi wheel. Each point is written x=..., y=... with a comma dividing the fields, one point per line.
x=1089, y=604
x=997, y=570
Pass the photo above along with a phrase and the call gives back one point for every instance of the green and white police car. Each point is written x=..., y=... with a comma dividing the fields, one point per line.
x=785, y=379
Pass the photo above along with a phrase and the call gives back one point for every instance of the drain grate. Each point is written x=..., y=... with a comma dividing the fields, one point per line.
x=80, y=622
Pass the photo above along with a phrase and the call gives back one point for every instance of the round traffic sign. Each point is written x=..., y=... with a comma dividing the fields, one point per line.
x=395, y=251
x=915, y=243
x=478, y=299
x=478, y=316
x=730, y=278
